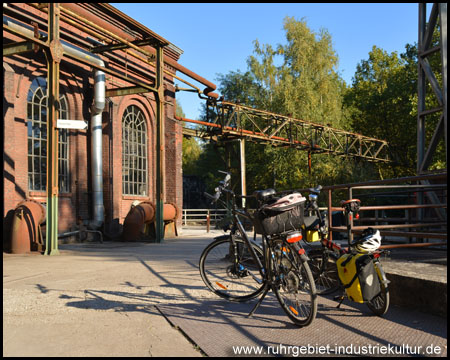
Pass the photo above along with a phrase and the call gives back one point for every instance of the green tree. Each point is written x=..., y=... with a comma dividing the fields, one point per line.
x=299, y=79
x=383, y=102
x=306, y=85
x=191, y=150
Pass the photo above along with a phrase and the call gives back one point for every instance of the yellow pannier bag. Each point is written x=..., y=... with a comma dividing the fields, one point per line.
x=312, y=235
x=359, y=277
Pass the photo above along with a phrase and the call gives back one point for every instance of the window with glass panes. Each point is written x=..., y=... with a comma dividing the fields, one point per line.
x=37, y=139
x=134, y=152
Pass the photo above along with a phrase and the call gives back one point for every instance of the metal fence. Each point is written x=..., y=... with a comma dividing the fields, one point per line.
x=411, y=208
x=409, y=211
x=200, y=216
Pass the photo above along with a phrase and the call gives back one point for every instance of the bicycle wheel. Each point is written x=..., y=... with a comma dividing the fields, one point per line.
x=380, y=303
x=324, y=271
x=233, y=278
x=293, y=284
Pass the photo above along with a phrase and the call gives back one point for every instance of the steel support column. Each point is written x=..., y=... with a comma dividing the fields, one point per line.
x=425, y=72
x=421, y=91
x=443, y=20
x=159, y=95
x=54, y=54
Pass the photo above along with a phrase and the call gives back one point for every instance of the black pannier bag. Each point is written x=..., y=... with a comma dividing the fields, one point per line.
x=284, y=214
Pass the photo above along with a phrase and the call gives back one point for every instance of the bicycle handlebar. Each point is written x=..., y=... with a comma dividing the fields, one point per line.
x=211, y=197
x=315, y=190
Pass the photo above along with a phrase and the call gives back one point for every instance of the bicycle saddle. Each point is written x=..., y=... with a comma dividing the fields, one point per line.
x=263, y=195
x=351, y=205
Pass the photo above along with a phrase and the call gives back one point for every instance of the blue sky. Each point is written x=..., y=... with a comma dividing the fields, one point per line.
x=218, y=38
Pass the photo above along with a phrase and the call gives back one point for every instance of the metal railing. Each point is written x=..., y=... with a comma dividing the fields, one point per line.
x=404, y=208
x=407, y=211
x=201, y=216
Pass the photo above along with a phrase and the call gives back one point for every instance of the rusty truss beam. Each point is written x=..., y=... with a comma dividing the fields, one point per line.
x=228, y=121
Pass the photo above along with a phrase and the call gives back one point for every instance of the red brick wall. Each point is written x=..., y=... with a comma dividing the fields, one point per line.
x=18, y=78
x=76, y=82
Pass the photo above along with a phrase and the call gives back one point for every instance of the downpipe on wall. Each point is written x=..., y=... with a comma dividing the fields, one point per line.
x=96, y=150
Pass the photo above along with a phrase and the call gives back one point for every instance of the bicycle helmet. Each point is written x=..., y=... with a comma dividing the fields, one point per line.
x=369, y=242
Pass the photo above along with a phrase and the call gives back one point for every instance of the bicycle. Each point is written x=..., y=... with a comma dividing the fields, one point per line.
x=238, y=269
x=323, y=261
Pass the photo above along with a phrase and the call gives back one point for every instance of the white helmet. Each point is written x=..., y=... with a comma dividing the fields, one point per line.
x=369, y=242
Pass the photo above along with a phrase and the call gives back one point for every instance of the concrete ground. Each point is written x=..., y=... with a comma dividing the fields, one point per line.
x=105, y=299
x=99, y=299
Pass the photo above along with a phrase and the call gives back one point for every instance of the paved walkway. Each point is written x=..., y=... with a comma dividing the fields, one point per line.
x=142, y=299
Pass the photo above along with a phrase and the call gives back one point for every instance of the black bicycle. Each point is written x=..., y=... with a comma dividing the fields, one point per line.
x=238, y=269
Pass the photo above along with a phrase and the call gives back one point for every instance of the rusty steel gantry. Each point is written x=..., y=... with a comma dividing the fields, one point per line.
x=234, y=121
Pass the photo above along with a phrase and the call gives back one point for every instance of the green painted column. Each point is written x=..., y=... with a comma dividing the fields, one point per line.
x=54, y=54
x=159, y=198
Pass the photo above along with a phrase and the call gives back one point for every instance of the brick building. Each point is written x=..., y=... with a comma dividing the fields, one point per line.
x=128, y=130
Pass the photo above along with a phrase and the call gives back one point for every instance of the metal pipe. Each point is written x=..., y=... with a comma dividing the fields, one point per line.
x=109, y=33
x=96, y=150
x=395, y=246
x=395, y=207
x=25, y=234
x=136, y=218
x=425, y=235
x=108, y=40
x=70, y=233
x=433, y=177
x=96, y=119
x=98, y=35
x=144, y=213
x=86, y=17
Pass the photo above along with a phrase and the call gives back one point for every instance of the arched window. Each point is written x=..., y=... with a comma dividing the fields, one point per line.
x=134, y=152
x=37, y=139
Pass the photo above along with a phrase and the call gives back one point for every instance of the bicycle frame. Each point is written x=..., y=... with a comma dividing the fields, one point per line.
x=281, y=261
x=236, y=213
x=240, y=227
x=264, y=269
